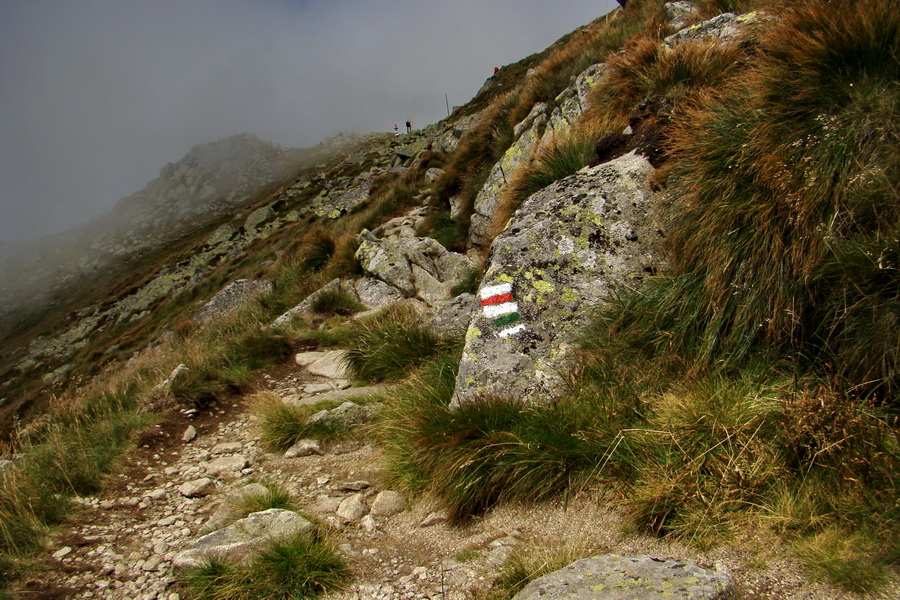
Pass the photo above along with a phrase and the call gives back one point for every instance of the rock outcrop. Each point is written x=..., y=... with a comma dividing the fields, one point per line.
x=235, y=295
x=534, y=132
x=564, y=251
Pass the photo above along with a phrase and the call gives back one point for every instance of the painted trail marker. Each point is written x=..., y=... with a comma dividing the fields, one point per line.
x=498, y=305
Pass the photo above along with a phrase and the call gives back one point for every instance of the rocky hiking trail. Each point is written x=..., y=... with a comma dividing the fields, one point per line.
x=123, y=543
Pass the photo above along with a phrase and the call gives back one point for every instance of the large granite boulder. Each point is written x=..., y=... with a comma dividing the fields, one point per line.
x=614, y=577
x=727, y=27
x=561, y=255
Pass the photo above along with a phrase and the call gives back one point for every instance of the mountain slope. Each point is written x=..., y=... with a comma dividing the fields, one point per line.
x=695, y=209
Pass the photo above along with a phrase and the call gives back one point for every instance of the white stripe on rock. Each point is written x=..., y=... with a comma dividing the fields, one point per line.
x=495, y=290
x=498, y=310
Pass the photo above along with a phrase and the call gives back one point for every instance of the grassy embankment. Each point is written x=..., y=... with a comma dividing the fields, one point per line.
x=753, y=387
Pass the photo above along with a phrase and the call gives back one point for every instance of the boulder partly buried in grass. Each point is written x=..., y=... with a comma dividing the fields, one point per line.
x=242, y=538
x=615, y=577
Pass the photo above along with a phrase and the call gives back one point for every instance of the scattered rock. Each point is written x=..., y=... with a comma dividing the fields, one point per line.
x=435, y=518
x=331, y=364
x=227, y=465
x=352, y=508
x=175, y=374
x=227, y=448
x=356, y=486
x=242, y=537
x=234, y=296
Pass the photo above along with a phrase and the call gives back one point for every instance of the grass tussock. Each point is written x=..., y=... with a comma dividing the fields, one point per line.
x=70, y=452
x=303, y=566
x=786, y=200
x=564, y=156
x=283, y=425
x=534, y=560
x=389, y=345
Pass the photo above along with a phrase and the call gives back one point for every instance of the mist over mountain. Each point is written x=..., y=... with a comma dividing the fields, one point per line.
x=97, y=94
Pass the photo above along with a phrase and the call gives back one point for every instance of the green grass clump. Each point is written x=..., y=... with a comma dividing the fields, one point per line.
x=786, y=203
x=275, y=496
x=72, y=454
x=336, y=302
x=302, y=566
x=391, y=344
x=226, y=353
x=535, y=560
x=283, y=425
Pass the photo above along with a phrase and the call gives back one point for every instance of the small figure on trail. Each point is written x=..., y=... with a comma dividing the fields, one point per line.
x=496, y=70
x=408, y=126
x=396, y=129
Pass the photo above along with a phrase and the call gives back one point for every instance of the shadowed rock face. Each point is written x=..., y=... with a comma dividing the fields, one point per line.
x=563, y=252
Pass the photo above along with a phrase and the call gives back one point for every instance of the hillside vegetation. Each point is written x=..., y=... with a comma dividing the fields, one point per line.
x=749, y=391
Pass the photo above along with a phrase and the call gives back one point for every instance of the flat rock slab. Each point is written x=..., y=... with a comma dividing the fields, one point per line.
x=242, y=537
x=339, y=395
x=330, y=365
x=615, y=577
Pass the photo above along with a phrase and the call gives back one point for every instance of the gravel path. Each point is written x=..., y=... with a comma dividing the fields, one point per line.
x=121, y=545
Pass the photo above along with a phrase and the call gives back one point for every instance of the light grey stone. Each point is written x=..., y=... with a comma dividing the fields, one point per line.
x=241, y=538
x=725, y=27
x=258, y=217
x=451, y=317
x=226, y=448
x=326, y=504
x=175, y=374
x=615, y=577
x=339, y=395
x=375, y=293
x=388, y=503
x=224, y=233
x=189, y=435
x=197, y=487
x=235, y=295
x=330, y=364
x=679, y=13
x=433, y=174
x=414, y=266
x=563, y=252
x=352, y=508
x=227, y=465
x=304, y=448
x=435, y=518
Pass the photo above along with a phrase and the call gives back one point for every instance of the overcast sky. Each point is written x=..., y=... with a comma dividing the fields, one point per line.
x=97, y=95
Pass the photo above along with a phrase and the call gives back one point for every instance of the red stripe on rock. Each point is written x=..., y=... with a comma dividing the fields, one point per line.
x=497, y=299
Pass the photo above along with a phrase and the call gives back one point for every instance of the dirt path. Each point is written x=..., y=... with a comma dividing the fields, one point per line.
x=120, y=546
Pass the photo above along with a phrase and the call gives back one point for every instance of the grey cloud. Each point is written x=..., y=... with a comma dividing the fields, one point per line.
x=97, y=95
